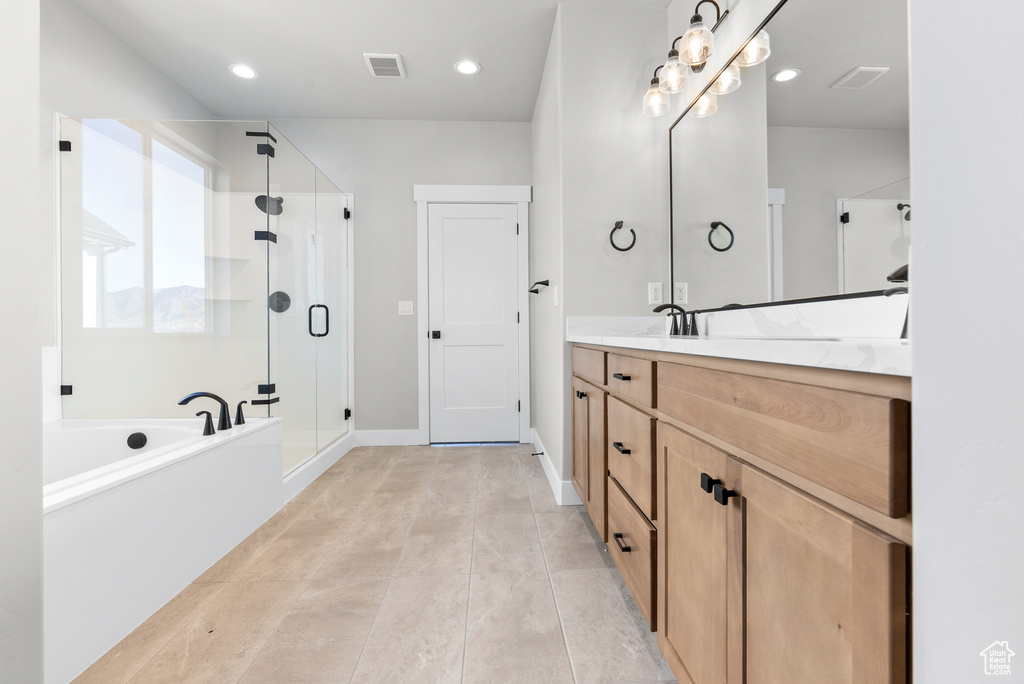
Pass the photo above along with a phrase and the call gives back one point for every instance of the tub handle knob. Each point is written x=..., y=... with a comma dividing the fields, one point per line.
x=239, y=418
x=208, y=428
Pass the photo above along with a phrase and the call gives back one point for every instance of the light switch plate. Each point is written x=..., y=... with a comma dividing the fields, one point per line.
x=405, y=308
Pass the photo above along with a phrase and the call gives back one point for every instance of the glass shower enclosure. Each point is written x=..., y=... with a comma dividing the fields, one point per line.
x=203, y=256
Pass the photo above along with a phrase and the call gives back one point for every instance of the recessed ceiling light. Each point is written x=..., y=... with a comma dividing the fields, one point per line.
x=243, y=71
x=467, y=67
x=785, y=75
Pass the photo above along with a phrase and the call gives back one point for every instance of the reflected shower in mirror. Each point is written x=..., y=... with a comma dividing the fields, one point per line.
x=807, y=171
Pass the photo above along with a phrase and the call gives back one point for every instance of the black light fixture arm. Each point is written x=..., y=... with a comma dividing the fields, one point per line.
x=718, y=13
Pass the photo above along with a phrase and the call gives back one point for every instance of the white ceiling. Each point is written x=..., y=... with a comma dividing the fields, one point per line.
x=825, y=40
x=309, y=54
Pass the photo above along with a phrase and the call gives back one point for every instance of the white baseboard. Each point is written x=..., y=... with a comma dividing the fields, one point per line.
x=565, y=494
x=303, y=476
x=390, y=438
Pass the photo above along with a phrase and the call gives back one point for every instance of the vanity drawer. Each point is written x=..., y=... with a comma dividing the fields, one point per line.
x=628, y=529
x=590, y=364
x=633, y=378
x=631, y=439
x=855, y=444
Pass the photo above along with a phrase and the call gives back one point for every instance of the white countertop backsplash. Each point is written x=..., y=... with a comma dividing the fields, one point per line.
x=852, y=334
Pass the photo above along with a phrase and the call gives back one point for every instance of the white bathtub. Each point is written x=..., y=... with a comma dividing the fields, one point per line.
x=125, y=530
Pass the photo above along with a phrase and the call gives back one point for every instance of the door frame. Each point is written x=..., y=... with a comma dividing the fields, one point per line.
x=425, y=195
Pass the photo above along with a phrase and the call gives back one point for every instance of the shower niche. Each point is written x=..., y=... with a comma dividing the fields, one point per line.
x=203, y=255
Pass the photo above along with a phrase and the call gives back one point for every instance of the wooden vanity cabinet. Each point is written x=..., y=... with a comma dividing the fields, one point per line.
x=760, y=583
x=589, y=458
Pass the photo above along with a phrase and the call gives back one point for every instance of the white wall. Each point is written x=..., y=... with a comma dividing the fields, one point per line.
x=379, y=162
x=967, y=164
x=597, y=160
x=548, y=366
x=20, y=403
x=816, y=166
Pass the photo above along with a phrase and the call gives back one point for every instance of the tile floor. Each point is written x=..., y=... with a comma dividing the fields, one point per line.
x=405, y=564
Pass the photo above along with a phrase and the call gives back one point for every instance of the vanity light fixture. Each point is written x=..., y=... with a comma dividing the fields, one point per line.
x=727, y=81
x=243, y=71
x=706, y=105
x=655, y=102
x=674, y=74
x=467, y=67
x=698, y=43
x=785, y=75
x=755, y=51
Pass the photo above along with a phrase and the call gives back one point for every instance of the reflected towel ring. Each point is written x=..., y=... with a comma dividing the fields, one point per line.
x=611, y=238
x=715, y=225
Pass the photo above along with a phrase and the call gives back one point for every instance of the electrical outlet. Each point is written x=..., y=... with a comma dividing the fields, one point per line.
x=680, y=294
x=405, y=308
x=654, y=294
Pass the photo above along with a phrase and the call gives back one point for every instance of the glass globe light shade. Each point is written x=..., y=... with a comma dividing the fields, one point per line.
x=754, y=52
x=706, y=105
x=698, y=43
x=727, y=81
x=656, y=102
x=674, y=75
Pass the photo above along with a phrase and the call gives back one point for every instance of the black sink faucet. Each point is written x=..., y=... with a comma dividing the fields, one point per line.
x=676, y=314
x=224, y=423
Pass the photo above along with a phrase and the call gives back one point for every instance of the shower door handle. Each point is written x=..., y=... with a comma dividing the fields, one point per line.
x=327, y=320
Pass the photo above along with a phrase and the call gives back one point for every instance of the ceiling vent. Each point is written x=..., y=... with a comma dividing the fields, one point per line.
x=860, y=77
x=384, y=66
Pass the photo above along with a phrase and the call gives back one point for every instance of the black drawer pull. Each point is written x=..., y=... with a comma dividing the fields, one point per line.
x=618, y=447
x=618, y=540
x=581, y=395
x=620, y=376
x=722, y=495
x=707, y=482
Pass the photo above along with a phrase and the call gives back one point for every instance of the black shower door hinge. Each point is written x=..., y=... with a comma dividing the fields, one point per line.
x=348, y=214
x=265, y=148
x=348, y=413
x=65, y=390
x=844, y=217
x=519, y=407
x=266, y=235
x=64, y=146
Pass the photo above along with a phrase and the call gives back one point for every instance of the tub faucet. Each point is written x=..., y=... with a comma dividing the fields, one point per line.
x=224, y=423
x=677, y=312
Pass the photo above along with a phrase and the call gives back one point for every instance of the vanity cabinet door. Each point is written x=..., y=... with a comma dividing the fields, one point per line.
x=589, y=458
x=693, y=559
x=825, y=596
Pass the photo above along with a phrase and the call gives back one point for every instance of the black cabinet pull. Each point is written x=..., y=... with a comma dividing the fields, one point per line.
x=581, y=395
x=722, y=495
x=618, y=540
x=620, y=376
x=618, y=447
x=707, y=482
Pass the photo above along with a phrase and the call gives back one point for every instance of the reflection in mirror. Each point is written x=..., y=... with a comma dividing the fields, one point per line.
x=783, y=162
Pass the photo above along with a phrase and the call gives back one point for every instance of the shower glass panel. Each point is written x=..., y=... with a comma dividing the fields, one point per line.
x=202, y=256
x=161, y=281
x=332, y=288
x=292, y=191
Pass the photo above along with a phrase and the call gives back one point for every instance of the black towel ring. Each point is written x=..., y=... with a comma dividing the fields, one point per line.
x=715, y=225
x=611, y=238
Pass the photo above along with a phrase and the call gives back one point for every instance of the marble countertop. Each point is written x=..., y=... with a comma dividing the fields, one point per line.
x=885, y=356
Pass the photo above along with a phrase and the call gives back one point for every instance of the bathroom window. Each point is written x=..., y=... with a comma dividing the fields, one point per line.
x=145, y=208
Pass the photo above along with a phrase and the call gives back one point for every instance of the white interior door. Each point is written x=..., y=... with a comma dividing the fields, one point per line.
x=474, y=320
x=875, y=242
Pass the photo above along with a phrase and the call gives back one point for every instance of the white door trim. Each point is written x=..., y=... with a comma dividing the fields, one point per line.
x=425, y=195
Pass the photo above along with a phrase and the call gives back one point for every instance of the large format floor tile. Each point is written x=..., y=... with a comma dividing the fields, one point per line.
x=405, y=565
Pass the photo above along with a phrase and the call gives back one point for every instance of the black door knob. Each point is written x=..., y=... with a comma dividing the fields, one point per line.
x=435, y=334
x=722, y=495
x=707, y=482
